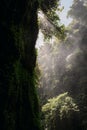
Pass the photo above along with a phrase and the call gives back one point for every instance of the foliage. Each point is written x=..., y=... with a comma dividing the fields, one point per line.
x=59, y=108
x=51, y=25
x=48, y=4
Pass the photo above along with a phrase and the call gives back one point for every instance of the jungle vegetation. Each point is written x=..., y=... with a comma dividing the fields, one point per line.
x=60, y=101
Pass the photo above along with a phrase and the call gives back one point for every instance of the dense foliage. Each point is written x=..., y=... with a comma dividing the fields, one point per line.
x=60, y=113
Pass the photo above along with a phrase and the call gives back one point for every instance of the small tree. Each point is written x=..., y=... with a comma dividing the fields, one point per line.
x=59, y=113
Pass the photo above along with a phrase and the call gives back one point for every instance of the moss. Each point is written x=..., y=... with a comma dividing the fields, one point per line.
x=22, y=94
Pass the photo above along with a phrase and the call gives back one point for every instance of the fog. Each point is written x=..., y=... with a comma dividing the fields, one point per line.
x=61, y=61
x=62, y=66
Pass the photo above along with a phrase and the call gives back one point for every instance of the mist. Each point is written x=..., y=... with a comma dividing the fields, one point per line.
x=63, y=63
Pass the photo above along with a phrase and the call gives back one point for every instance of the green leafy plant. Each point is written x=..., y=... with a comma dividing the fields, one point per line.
x=59, y=108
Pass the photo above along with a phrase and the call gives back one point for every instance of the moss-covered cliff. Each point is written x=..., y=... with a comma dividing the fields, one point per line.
x=19, y=109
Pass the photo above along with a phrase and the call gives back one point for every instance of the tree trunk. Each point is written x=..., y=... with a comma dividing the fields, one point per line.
x=19, y=109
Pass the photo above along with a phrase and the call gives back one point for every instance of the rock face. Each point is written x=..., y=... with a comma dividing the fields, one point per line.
x=18, y=33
